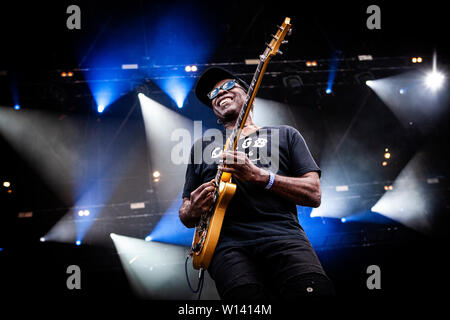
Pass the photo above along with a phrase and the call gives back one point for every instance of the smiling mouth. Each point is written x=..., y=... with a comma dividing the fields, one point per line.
x=224, y=102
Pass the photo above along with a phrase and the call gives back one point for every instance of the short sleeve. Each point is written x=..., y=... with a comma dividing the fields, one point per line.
x=192, y=180
x=301, y=160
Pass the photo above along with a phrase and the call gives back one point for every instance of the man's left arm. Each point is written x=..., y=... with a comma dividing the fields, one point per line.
x=304, y=190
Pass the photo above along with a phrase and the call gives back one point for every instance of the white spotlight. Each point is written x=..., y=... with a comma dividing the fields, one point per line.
x=42, y=239
x=434, y=80
x=188, y=69
x=156, y=174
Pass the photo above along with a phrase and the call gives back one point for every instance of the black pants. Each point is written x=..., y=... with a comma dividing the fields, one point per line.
x=277, y=270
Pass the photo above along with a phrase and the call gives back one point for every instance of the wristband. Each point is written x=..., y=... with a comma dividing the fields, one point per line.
x=271, y=181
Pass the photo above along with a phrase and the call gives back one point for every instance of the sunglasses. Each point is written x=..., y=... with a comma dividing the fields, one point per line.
x=226, y=86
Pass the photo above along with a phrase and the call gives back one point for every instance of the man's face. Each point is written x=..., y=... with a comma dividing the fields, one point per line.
x=227, y=104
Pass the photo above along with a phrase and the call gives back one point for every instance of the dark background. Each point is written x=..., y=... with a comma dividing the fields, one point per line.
x=37, y=46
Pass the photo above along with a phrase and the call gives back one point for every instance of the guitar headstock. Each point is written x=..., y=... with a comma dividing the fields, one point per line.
x=278, y=38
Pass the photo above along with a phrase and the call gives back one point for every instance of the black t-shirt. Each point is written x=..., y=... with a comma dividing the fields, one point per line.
x=255, y=214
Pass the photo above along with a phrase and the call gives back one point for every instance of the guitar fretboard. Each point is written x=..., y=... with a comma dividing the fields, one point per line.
x=243, y=114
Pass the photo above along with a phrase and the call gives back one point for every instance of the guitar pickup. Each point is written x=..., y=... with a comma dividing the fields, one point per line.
x=197, y=247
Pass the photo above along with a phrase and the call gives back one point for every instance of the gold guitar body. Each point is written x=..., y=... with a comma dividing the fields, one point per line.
x=203, y=256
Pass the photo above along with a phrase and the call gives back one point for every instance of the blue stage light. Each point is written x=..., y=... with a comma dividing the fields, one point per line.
x=172, y=45
x=16, y=107
x=170, y=229
x=343, y=220
x=334, y=63
x=100, y=108
x=78, y=242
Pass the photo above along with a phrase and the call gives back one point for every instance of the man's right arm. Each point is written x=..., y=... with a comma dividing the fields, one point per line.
x=200, y=201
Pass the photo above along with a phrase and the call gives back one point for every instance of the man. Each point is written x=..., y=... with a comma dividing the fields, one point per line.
x=263, y=252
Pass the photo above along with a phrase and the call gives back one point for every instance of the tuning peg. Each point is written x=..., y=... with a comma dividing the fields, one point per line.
x=289, y=32
x=284, y=41
x=268, y=46
x=280, y=52
x=274, y=36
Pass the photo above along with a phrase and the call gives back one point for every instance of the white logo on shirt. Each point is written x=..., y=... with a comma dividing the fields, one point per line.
x=217, y=152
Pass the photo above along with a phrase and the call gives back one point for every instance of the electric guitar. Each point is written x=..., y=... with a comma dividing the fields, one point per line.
x=207, y=231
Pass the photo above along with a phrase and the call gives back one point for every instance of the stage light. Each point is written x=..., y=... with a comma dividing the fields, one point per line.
x=341, y=188
x=100, y=108
x=137, y=205
x=387, y=155
x=130, y=66
x=6, y=184
x=311, y=63
x=155, y=270
x=70, y=74
x=388, y=187
x=156, y=174
x=190, y=68
x=416, y=60
x=434, y=80
x=148, y=238
x=83, y=213
x=251, y=61
x=401, y=91
x=78, y=242
x=328, y=91
x=16, y=107
x=384, y=163
x=63, y=74
x=343, y=220
x=42, y=239
x=365, y=57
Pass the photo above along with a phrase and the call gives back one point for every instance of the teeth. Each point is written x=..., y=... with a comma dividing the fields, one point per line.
x=224, y=101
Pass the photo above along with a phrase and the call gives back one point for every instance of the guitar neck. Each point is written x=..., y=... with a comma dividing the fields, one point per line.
x=243, y=114
x=251, y=94
x=270, y=50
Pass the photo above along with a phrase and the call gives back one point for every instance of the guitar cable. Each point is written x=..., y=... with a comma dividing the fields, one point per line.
x=201, y=278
